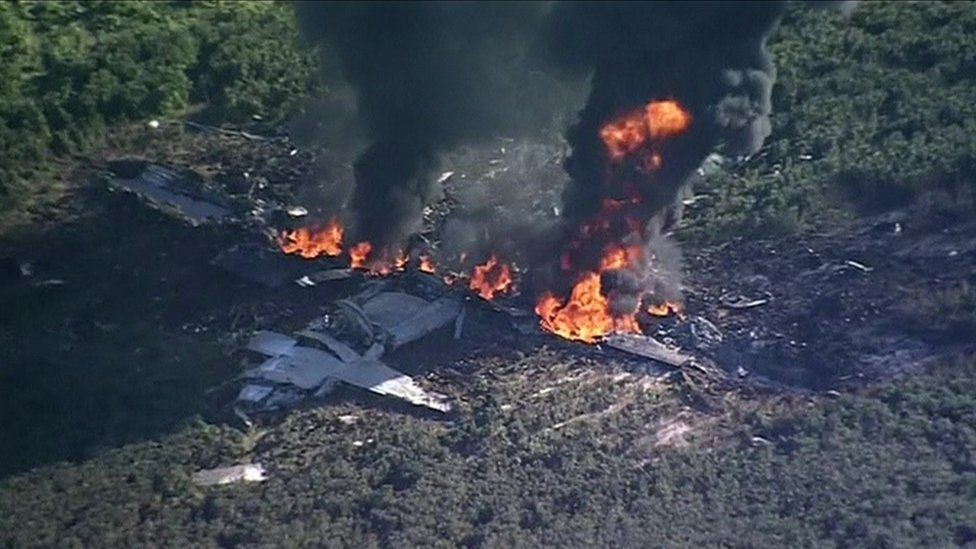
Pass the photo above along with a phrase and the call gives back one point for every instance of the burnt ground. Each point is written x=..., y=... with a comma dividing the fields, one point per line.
x=120, y=341
x=117, y=327
x=838, y=309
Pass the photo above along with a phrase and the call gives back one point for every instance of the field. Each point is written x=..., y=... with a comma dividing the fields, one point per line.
x=110, y=405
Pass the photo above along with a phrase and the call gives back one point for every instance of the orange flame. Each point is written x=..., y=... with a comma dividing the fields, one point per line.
x=427, y=264
x=401, y=261
x=666, y=309
x=491, y=279
x=586, y=316
x=666, y=119
x=359, y=254
x=620, y=257
x=625, y=135
x=630, y=133
x=311, y=243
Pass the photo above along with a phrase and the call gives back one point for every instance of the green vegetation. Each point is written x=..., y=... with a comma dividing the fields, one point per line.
x=890, y=468
x=71, y=70
x=874, y=108
x=547, y=449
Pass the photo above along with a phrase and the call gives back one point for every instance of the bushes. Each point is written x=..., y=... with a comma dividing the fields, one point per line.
x=878, y=107
x=74, y=69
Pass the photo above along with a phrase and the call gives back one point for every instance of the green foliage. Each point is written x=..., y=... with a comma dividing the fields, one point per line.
x=892, y=467
x=74, y=69
x=875, y=109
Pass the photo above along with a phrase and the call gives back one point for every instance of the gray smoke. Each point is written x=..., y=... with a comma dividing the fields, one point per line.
x=429, y=76
x=711, y=57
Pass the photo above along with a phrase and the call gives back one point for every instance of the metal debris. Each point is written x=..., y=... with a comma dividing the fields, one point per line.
x=250, y=472
x=859, y=266
x=647, y=347
x=307, y=368
x=444, y=177
x=297, y=211
x=399, y=316
x=704, y=334
x=259, y=264
x=459, y=324
x=319, y=277
x=741, y=302
x=166, y=190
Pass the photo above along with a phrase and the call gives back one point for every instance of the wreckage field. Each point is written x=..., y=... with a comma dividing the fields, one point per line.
x=213, y=335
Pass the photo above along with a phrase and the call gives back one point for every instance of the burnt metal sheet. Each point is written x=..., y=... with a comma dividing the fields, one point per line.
x=381, y=379
x=341, y=350
x=159, y=186
x=271, y=343
x=407, y=317
x=303, y=367
x=260, y=265
x=646, y=347
x=308, y=368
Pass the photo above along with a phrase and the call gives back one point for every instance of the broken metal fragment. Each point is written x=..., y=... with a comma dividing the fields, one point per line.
x=251, y=472
x=327, y=275
x=260, y=265
x=742, y=302
x=859, y=266
x=704, y=333
x=308, y=369
x=647, y=347
x=161, y=188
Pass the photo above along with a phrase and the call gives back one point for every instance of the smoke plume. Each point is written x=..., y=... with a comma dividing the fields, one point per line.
x=707, y=57
x=428, y=76
x=689, y=78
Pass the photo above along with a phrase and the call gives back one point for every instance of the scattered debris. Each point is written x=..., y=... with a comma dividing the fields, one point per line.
x=859, y=266
x=381, y=320
x=673, y=432
x=741, y=302
x=704, y=334
x=236, y=133
x=647, y=347
x=251, y=472
x=297, y=211
x=260, y=264
x=167, y=191
x=49, y=282
x=328, y=275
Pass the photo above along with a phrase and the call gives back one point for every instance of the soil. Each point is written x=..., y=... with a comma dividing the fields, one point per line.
x=116, y=326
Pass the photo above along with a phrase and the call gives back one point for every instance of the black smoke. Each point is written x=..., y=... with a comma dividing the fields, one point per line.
x=428, y=76
x=711, y=57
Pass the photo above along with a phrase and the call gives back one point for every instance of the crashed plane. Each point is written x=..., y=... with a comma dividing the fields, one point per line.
x=314, y=359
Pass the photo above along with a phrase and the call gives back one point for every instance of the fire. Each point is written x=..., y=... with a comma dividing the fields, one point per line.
x=586, y=316
x=427, y=264
x=666, y=309
x=311, y=243
x=359, y=254
x=620, y=257
x=491, y=279
x=634, y=131
x=401, y=261
x=624, y=136
x=617, y=229
x=666, y=119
